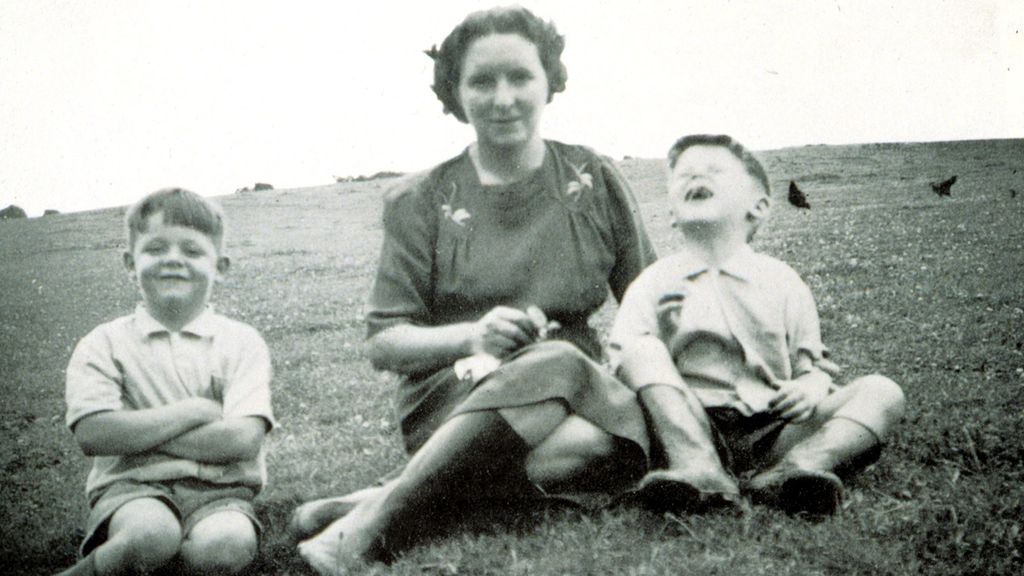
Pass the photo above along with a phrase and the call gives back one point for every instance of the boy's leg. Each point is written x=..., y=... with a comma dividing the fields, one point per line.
x=848, y=426
x=142, y=535
x=692, y=477
x=451, y=468
x=222, y=543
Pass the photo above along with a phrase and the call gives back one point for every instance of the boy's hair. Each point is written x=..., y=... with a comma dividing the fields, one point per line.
x=180, y=207
x=750, y=162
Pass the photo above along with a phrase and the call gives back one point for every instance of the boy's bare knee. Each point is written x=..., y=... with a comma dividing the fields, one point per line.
x=884, y=392
x=223, y=543
x=143, y=534
x=150, y=548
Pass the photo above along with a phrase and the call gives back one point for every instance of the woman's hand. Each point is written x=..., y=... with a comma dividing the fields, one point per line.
x=504, y=330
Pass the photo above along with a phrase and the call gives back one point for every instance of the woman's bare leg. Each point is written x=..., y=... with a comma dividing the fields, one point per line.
x=455, y=465
x=314, y=516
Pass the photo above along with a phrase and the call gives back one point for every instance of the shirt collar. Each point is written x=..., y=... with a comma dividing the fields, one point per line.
x=740, y=265
x=201, y=325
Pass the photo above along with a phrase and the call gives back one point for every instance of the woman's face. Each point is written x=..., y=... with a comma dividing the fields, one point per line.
x=503, y=90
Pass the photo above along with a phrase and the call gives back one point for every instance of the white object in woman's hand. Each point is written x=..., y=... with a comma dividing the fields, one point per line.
x=504, y=328
x=502, y=331
x=540, y=320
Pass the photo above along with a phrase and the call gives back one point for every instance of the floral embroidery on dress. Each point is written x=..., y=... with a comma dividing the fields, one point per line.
x=459, y=215
x=584, y=181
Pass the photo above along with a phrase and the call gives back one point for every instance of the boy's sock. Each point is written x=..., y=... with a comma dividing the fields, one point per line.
x=84, y=567
x=805, y=479
x=692, y=478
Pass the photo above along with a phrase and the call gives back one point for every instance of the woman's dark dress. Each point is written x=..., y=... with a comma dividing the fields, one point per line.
x=454, y=249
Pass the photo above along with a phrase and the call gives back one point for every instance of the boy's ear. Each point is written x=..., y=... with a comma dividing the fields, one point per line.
x=761, y=209
x=223, y=264
x=129, y=261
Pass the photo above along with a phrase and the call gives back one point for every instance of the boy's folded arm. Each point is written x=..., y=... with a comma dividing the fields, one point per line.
x=645, y=360
x=221, y=442
x=119, y=432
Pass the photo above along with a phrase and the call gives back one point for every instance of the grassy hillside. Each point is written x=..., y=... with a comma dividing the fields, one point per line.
x=925, y=289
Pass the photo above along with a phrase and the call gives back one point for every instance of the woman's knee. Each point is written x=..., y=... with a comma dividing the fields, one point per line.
x=572, y=449
x=222, y=543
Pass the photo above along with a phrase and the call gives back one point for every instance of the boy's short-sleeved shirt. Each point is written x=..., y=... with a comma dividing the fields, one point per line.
x=135, y=363
x=734, y=333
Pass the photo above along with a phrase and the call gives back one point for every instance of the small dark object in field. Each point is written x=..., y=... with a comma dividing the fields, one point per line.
x=943, y=188
x=1013, y=193
x=12, y=212
x=262, y=186
x=796, y=196
x=50, y=212
x=376, y=176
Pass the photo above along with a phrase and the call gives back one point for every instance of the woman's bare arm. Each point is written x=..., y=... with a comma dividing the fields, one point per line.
x=410, y=349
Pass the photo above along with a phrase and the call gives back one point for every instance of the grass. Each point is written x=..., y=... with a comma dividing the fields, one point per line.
x=924, y=289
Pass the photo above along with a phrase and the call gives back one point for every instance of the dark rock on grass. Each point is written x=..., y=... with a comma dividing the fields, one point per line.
x=12, y=212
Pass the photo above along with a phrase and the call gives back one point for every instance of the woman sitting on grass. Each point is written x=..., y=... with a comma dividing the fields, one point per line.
x=491, y=266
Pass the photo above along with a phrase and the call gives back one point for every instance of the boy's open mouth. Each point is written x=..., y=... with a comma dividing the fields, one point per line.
x=699, y=193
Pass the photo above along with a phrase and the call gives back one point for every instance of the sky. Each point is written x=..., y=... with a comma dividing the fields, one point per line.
x=103, y=101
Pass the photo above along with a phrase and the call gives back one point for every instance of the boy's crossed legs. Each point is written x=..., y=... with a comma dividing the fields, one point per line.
x=798, y=462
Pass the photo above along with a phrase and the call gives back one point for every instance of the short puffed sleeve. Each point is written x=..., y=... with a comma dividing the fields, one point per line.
x=633, y=248
x=404, y=285
x=94, y=378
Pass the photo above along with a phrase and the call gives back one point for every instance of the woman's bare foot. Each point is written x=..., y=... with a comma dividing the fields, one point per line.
x=312, y=517
x=355, y=538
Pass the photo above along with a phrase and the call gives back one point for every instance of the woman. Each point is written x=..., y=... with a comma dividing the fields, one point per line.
x=514, y=238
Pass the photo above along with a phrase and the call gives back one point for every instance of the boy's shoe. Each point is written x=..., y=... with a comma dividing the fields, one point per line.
x=663, y=491
x=797, y=490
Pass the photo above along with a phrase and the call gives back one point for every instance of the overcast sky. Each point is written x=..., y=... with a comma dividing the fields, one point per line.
x=102, y=101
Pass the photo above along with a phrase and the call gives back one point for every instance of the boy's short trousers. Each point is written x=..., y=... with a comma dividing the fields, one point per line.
x=190, y=499
x=744, y=442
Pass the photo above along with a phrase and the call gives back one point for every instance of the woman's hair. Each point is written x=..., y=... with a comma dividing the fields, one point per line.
x=180, y=207
x=499, y=20
x=750, y=162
